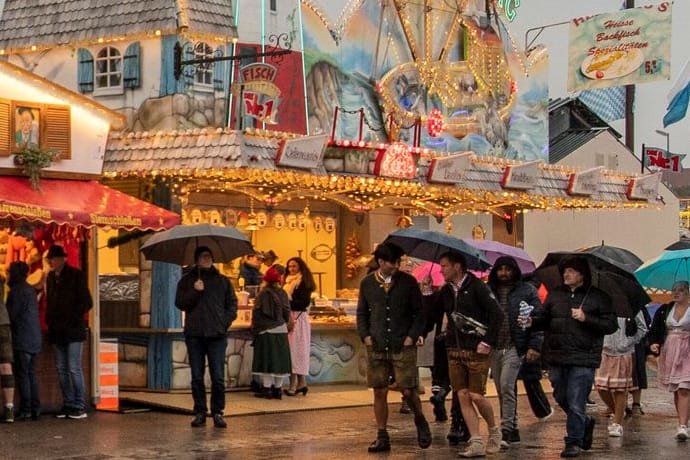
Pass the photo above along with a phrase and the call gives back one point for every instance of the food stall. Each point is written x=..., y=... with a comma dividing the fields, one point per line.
x=51, y=145
x=331, y=210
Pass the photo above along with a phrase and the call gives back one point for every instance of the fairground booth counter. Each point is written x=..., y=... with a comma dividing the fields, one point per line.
x=329, y=202
x=51, y=155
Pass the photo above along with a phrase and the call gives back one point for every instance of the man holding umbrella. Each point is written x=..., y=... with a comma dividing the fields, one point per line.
x=210, y=304
x=576, y=316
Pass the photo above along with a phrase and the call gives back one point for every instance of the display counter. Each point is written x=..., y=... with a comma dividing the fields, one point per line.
x=337, y=354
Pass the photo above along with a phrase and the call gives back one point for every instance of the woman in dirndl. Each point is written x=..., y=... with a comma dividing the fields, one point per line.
x=299, y=284
x=270, y=319
x=614, y=378
x=670, y=339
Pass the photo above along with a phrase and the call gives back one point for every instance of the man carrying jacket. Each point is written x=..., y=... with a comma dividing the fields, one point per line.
x=473, y=319
x=210, y=304
x=514, y=343
x=576, y=316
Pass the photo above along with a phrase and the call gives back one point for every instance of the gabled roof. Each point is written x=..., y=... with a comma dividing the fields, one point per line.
x=583, y=126
x=47, y=23
x=116, y=120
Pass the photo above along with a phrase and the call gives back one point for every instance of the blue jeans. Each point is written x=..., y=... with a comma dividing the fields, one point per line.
x=27, y=384
x=199, y=349
x=68, y=363
x=571, y=386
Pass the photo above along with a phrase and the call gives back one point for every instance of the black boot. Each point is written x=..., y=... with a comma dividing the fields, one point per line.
x=264, y=393
x=438, y=400
x=381, y=444
x=276, y=392
x=458, y=429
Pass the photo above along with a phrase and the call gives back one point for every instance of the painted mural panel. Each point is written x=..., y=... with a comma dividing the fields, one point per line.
x=376, y=70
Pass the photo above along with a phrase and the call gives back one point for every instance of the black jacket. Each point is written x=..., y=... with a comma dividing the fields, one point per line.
x=68, y=300
x=570, y=342
x=523, y=339
x=301, y=298
x=390, y=317
x=209, y=313
x=657, y=333
x=474, y=299
x=272, y=308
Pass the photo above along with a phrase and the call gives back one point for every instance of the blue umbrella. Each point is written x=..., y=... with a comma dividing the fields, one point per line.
x=430, y=245
x=664, y=270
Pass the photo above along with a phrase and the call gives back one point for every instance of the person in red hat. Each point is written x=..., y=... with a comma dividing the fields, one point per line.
x=270, y=319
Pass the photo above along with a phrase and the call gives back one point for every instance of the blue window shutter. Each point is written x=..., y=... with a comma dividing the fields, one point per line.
x=219, y=71
x=168, y=84
x=85, y=70
x=131, y=66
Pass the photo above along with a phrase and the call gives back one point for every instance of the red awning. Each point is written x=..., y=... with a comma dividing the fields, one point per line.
x=79, y=202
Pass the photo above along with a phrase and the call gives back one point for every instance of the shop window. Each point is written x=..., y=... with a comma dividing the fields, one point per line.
x=108, y=71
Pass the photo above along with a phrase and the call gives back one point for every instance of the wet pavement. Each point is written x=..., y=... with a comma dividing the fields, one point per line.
x=340, y=433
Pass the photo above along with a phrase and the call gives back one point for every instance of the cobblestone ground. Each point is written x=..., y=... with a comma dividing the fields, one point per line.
x=322, y=434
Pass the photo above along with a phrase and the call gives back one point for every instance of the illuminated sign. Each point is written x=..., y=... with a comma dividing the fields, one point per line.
x=585, y=182
x=396, y=161
x=644, y=187
x=450, y=169
x=260, y=95
x=523, y=177
x=304, y=152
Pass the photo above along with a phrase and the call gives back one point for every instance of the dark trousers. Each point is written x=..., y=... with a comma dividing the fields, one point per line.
x=25, y=374
x=531, y=379
x=199, y=350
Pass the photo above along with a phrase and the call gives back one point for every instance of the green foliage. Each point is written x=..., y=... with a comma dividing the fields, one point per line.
x=32, y=160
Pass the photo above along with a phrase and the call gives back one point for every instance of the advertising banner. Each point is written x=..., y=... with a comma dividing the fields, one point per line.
x=622, y=48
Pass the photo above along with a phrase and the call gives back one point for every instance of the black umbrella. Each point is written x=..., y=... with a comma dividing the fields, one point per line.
x=430, y=245
x=627, y=294
x=177, y=245
x=683, y=243
x=620, y=257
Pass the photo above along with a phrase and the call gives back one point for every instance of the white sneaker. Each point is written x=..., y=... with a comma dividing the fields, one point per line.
x=615, y=430
x=475, y=448
x=682, y=433
x=494, y=443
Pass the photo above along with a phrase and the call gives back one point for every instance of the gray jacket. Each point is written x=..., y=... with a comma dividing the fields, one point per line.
x=619, y=343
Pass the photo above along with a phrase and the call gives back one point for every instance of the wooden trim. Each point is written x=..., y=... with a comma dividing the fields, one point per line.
x=57, y=129
x=5, y=127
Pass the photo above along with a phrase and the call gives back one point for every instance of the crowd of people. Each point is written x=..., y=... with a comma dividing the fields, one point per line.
x=67, y=300
x=504, y=328
x=509, y=329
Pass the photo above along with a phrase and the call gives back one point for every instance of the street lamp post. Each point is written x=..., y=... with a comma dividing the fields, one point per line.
x=668, y=140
